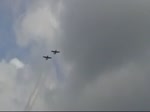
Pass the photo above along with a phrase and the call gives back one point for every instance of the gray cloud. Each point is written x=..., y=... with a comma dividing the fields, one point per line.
x=101, y=36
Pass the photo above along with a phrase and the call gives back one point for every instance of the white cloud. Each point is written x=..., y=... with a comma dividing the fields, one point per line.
x=17, y=63
x=39, y=26
x=15, y=84
x=8, y=73
x=39, y=23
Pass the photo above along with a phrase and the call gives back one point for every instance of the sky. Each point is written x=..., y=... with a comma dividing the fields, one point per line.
x=104, y=56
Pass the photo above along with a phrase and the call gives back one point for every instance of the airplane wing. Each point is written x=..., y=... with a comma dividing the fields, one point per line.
x=55, y=51
x=44, y=56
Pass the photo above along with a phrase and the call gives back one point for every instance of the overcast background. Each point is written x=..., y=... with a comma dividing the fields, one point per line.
x=104, y=54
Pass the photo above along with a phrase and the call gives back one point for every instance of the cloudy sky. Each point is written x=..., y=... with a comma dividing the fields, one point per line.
x=104, y=56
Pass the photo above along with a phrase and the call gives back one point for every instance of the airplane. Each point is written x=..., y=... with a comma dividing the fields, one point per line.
x=47, y=57
x=55, y=51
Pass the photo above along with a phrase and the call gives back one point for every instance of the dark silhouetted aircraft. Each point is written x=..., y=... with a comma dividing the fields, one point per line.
x=55, y=51
x=47, y=57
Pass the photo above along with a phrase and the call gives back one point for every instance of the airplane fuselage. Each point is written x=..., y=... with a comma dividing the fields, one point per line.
x=55, y=51
x=46, y=57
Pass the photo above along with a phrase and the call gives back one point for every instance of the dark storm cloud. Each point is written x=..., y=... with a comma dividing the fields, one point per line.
x=101, y=35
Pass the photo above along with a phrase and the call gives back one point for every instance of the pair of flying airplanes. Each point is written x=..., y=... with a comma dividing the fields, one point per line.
x=55, y=52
